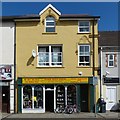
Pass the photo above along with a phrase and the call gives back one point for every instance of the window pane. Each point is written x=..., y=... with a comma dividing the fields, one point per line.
x=84, y=29
x=50, y=18
x=111, y=57
x=86, y=48
x=81, y=59
x=84, y=23
x=87, y=59
x=110, y=63
x=27, y=97
x=50, y=29
x=50, y=24
x=38, y=97
x=81, y=48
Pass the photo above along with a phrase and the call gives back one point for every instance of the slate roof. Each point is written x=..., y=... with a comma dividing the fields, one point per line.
x=36, y=16
x=109, y=38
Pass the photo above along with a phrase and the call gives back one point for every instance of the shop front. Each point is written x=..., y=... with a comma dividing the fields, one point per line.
x=40, y=95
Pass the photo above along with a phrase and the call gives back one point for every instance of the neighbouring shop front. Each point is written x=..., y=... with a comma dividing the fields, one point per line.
x=6, y=89
x=39, y=95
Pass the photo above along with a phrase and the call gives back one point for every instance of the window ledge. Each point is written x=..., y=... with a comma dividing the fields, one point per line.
x=83, y=33
x=84, y=67
x=50, y=67
x=48, y=33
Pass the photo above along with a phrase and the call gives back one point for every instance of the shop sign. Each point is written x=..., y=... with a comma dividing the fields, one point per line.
x=53, y=80
x=5, y=72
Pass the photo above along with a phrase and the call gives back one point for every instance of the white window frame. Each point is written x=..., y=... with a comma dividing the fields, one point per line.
x=49, y=26
x=83, y=27
x=82, y=55
x=50, y=56
x=110, y=60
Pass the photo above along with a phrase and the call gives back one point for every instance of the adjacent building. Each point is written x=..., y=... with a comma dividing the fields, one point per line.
x=7, y=30
x=56, y=61
x=110, y=76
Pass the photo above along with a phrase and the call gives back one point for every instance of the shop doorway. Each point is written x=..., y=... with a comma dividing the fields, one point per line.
x=49, y=101
x=5, y=99
x=84, y=97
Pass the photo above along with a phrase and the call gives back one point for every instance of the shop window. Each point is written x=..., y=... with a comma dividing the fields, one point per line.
x=71, y=95
x=27, y=97
x=60, y=96
x=38, y=97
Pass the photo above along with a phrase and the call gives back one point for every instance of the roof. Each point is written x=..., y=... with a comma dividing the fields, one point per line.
x=77, y=16
x=12, y=18
x=36, y=16
x=50, y=6
x=109, y=38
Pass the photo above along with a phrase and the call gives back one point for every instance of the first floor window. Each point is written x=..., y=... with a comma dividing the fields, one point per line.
x=84, y=55
x=111, y=60
x=50, y=55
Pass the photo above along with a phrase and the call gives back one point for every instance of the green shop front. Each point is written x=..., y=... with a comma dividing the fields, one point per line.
x=45, y=94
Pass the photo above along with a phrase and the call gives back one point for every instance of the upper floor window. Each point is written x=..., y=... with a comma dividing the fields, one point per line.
x=50, y=55
x=83, y=26
x=84, y=55
x=50, y=24
x=111, y=60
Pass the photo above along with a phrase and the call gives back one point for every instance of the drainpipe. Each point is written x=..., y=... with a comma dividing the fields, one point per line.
x=101, y=73
x=93, y=46
x=15, y=69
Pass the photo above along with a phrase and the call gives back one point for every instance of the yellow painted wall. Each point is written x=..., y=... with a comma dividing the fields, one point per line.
x=31, y=34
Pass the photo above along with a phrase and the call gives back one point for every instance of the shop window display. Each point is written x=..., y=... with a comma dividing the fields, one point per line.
x=27, y=97
x=71, y=95
x=38, y=97
x=60, y=93
x=32, y=97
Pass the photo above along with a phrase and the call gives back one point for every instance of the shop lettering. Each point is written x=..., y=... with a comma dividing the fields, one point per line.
x=53, y=80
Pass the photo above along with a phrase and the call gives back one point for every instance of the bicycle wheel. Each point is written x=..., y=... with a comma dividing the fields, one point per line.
x=70, y=110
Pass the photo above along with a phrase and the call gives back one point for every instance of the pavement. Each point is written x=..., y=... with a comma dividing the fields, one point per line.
x=77, y=116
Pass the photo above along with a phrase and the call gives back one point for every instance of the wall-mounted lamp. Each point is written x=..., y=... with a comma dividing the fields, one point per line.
x=80, y=73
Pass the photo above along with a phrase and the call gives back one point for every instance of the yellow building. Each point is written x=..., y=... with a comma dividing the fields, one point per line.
x=56, y=61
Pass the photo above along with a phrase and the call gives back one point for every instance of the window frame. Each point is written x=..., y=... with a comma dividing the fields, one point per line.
x=50, y=56
x=50, y=26
x=83, y=55
x=111, y=60
x=83, y=27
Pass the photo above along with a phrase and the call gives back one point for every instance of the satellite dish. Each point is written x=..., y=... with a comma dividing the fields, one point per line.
x=33, y=53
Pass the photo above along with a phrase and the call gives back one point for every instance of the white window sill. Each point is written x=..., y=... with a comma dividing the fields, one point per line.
x=83, y=33
x=49, y=67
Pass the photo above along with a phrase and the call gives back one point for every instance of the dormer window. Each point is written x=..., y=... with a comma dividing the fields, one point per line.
x=50, y=24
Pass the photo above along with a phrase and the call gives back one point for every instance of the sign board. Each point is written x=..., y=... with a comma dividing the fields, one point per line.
x=5, y=72
x=53, y=80
x=95, y=81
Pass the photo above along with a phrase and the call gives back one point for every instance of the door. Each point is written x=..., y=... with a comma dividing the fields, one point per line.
x=84, y=98
x=110, y=97
x=49, y=101
x=6, y=99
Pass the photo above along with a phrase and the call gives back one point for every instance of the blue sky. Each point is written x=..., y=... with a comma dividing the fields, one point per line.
x=108, y=11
